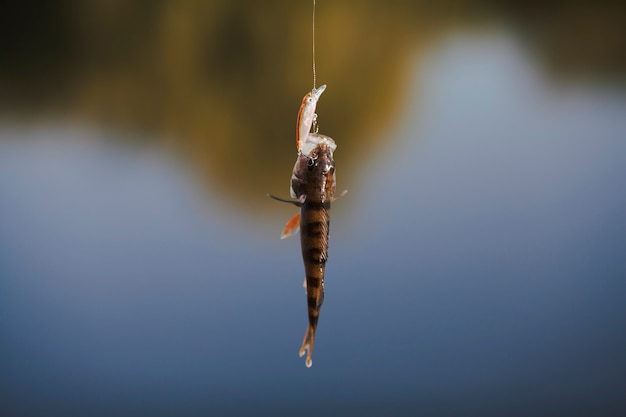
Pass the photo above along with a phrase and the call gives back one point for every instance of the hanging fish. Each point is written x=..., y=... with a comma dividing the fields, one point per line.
x=313, y=187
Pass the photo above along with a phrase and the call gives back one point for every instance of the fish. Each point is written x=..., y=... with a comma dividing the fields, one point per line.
x=313, y=188
x=306, y=115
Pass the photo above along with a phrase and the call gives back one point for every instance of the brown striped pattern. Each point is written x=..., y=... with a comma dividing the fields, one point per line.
x=313, y=180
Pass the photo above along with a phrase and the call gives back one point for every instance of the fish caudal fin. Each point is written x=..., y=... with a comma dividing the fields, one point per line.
x=292, y=227
x=307, y=345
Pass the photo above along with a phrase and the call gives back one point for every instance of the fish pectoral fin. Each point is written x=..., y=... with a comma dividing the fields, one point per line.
x=307, y=345
x=292, y=227
x=344, y=192
x=296, y=203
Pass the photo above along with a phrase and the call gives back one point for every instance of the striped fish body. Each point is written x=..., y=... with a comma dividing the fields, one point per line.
x=313, y=184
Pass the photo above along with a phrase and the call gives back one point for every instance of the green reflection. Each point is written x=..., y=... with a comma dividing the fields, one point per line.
x=223, y=80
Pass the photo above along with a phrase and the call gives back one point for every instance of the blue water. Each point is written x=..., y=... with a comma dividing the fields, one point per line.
x=477, y=266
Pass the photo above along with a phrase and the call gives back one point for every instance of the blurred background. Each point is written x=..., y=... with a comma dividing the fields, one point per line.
x=477, y=264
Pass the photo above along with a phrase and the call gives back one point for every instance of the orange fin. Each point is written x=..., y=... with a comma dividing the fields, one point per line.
x=292, y=227
x=307, y=345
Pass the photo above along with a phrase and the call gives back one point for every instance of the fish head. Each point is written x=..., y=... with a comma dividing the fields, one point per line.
x=315, y=94
x=316, y=144
x=315, y=166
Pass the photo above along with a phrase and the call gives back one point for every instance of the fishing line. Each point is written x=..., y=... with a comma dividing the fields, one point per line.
x=314, y=80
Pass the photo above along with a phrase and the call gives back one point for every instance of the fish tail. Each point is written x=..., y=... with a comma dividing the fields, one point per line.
x=315, y=297
x=307, y=345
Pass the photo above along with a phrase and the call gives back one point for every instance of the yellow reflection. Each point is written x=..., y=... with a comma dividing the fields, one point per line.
x=223, y=80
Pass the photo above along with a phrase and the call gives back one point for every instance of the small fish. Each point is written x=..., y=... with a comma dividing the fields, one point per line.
x=307, y=116
x=313, y=187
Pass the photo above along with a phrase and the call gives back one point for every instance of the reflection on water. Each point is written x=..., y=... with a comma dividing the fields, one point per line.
x=476, y=266
x=222, y=80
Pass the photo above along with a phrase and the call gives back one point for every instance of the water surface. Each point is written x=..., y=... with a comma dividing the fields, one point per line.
x=476, y=265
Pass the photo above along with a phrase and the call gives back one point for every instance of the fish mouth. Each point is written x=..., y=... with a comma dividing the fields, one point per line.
x=317, y=92
x=313, y=140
